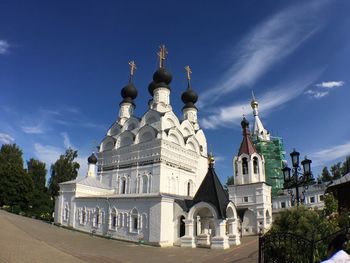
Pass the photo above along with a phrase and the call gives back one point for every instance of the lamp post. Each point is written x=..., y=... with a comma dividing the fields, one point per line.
x=294, y=178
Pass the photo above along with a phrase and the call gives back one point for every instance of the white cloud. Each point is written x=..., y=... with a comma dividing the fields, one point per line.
x=6, y=139
x=317, y=94
x=219, y=158
x=66, y=141
x=33, y=129
x=4, y=46
x=231, y=115
x=47, y=153
x=266, y=45
x=330, y=84
x=324, y=156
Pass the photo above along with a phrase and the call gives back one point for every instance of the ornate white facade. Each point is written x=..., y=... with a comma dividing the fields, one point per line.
x=150, y=172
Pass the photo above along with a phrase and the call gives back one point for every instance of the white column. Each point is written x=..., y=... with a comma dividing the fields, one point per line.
x=188, y=239
x=220, y=241
x=233, y=235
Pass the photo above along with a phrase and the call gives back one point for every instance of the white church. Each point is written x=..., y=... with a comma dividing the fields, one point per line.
x=153, y=180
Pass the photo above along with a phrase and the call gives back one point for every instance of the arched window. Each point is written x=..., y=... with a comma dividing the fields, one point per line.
x=245, y=165
x=123, y=186
x=120, y=220
x=66, y=213
x=255, y=165
x=134, y=220
x=83, y=216
x=114, y=219
x=181, y=226
x=188, y=188
x=97, y=217
x=144, y=184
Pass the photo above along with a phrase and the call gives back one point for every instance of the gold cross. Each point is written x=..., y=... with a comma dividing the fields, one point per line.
x=162, y=54
x=132, y=67
x=188, y=69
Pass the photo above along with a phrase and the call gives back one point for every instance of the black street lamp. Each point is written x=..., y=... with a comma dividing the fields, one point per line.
x=297, y=179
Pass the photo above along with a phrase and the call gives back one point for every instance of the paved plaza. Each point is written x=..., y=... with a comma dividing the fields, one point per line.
x=27, y=240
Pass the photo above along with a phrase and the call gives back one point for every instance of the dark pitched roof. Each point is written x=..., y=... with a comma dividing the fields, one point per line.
x=247, y=146
x=210, y=191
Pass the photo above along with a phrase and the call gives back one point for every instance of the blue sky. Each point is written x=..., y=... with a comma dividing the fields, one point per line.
x=63, y=63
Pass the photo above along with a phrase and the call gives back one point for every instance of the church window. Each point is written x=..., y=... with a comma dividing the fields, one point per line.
x=114, y=221
x=83, y=216
x=97, y=218
x=245, y=166
x=312, y=199
x=144, y=184
x=120, y=220
x=321, y=197
x=256, y=165
x=135, y=223
x=189, y=188
x=283, y=204
x=134, y=220
x=246, y=199
x=123, y=186
x=66, y=213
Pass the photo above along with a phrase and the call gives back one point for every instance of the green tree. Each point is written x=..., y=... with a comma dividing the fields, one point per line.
x=16, y=187
x=326, y=175
x=230, y=180
x=331, y=205
x=336, y=170
x=37, y=171
x=64, y=169
x=42, y=205
x=346, y=166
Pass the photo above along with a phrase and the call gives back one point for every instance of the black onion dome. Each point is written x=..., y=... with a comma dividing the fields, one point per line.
x=162, y=76
x=244, y=123
x=92, y=159
x=189, y=96
x=151, y=87
x=129, y=91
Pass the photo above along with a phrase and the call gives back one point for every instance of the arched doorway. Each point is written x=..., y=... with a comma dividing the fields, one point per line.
x=181, y=226
x=249, y=223
x=232, y=225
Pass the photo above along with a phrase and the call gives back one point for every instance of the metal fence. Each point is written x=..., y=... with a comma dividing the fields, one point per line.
x=287, y=247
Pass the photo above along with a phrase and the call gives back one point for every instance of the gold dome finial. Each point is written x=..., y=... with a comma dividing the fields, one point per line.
x=132, y=69
x=254, y=103
x=162, y=55
x=211, y=159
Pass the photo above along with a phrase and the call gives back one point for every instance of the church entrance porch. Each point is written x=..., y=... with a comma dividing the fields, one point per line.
x=203, y=228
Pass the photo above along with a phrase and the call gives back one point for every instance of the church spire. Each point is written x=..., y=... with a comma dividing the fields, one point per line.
x=258, y=130
x=159, y=88
x=189, y=98
x=247, y=146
